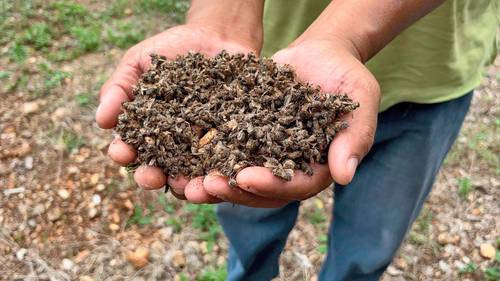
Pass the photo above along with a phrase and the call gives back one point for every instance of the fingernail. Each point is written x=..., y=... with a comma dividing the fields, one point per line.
x=209, y=179
x=352, y=164
x=98, y=109
x=145, y=186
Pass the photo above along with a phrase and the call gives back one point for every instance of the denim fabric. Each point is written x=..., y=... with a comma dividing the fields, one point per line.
x=372, y=214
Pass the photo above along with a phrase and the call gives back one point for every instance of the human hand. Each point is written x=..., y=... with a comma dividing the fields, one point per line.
x=118, y=89
x=336, y=68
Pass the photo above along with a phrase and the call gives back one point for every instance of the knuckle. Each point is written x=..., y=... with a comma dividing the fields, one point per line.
x=366, y=139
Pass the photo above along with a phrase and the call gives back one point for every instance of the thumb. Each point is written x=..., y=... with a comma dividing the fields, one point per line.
x=118, y=89
x=346, y=152
x=351, y=144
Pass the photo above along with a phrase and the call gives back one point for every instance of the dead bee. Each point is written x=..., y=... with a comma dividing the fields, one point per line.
x=195, y=114
x=232, y=182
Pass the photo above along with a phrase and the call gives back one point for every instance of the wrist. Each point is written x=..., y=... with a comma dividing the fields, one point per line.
x=235, y=21
x=337, y=43
x=367, y=26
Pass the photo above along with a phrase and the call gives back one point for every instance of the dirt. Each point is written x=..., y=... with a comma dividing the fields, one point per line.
x=196, y=115
x=65, y=210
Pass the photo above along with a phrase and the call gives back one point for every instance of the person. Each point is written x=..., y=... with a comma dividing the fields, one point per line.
x=412, y=65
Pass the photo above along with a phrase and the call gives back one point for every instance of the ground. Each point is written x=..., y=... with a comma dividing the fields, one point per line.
x=67, y=212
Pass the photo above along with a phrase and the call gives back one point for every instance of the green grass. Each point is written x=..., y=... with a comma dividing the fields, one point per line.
x=41, y=25
x=183, y=277
x=13, y=84
x=38, y=35
x=492, y=273
x=52, y=78
x=88, y=38
x=323, y=246
x=70, y=14
x=175, y=8
x=213, y=274
x=168, y=207
x=141, y=217
x=17, y=53
x=464, y=187
x=124, y=34
x=4, y=75
x=71, y=141
x=420, y=232
x=481, y=145
x=205, y=220
x=84, y=99
x=175, y=223
x=116, y=9
x=317, y=216
x=63, y=30
x=468, y=268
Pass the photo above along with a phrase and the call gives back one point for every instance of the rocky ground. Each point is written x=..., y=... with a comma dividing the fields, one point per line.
x=68, y=213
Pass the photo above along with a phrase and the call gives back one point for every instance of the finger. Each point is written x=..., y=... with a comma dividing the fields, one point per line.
x=177, y=186
x=218, y=186
x=261, y=181
x=179, y=196
x=118, y=89
x=195, y=192
x=351, y=144
x=150, y=177
x=120, y=152
x=110, y=108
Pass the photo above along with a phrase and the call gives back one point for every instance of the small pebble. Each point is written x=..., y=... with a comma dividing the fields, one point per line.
x=28, y=162
x=128, y=204
x=67, y=264
x=92, y=213
x=487, y=251
x=12, y=191
x=444, y=266
x=178, y=259
x=21, y=253
x=96, y=199
x=94, y=179
x=63, y=193
x=139, y=257
x=38, y=209
x=59, y=114
x=54, y=214
x=115, y=217
x=73, y=170
x=393, y=271
x=113, y=227
x=166, y=233
x=30, y=107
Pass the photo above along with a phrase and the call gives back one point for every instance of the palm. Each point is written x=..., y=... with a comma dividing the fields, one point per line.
x=118, y=89
x=182, y=39
x=335, y=70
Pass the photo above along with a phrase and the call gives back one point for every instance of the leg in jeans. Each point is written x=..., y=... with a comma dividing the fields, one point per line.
x=256, y=237
x=373, y=213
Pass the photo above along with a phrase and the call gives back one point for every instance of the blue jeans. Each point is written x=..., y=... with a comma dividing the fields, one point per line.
x=372, y=214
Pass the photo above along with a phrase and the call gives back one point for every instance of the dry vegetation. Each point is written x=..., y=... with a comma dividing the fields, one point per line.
x=66, y=212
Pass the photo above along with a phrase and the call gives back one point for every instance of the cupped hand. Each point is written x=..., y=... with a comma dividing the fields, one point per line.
x=118, y=89
x=336, y=69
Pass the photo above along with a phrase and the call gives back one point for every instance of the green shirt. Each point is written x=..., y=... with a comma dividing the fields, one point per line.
x=439, y=58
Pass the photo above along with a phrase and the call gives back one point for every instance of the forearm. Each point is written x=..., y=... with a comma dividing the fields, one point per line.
x=367, y=26
x=239, y=20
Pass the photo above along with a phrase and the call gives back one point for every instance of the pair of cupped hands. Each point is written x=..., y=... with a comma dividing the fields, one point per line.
x=331, y=64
